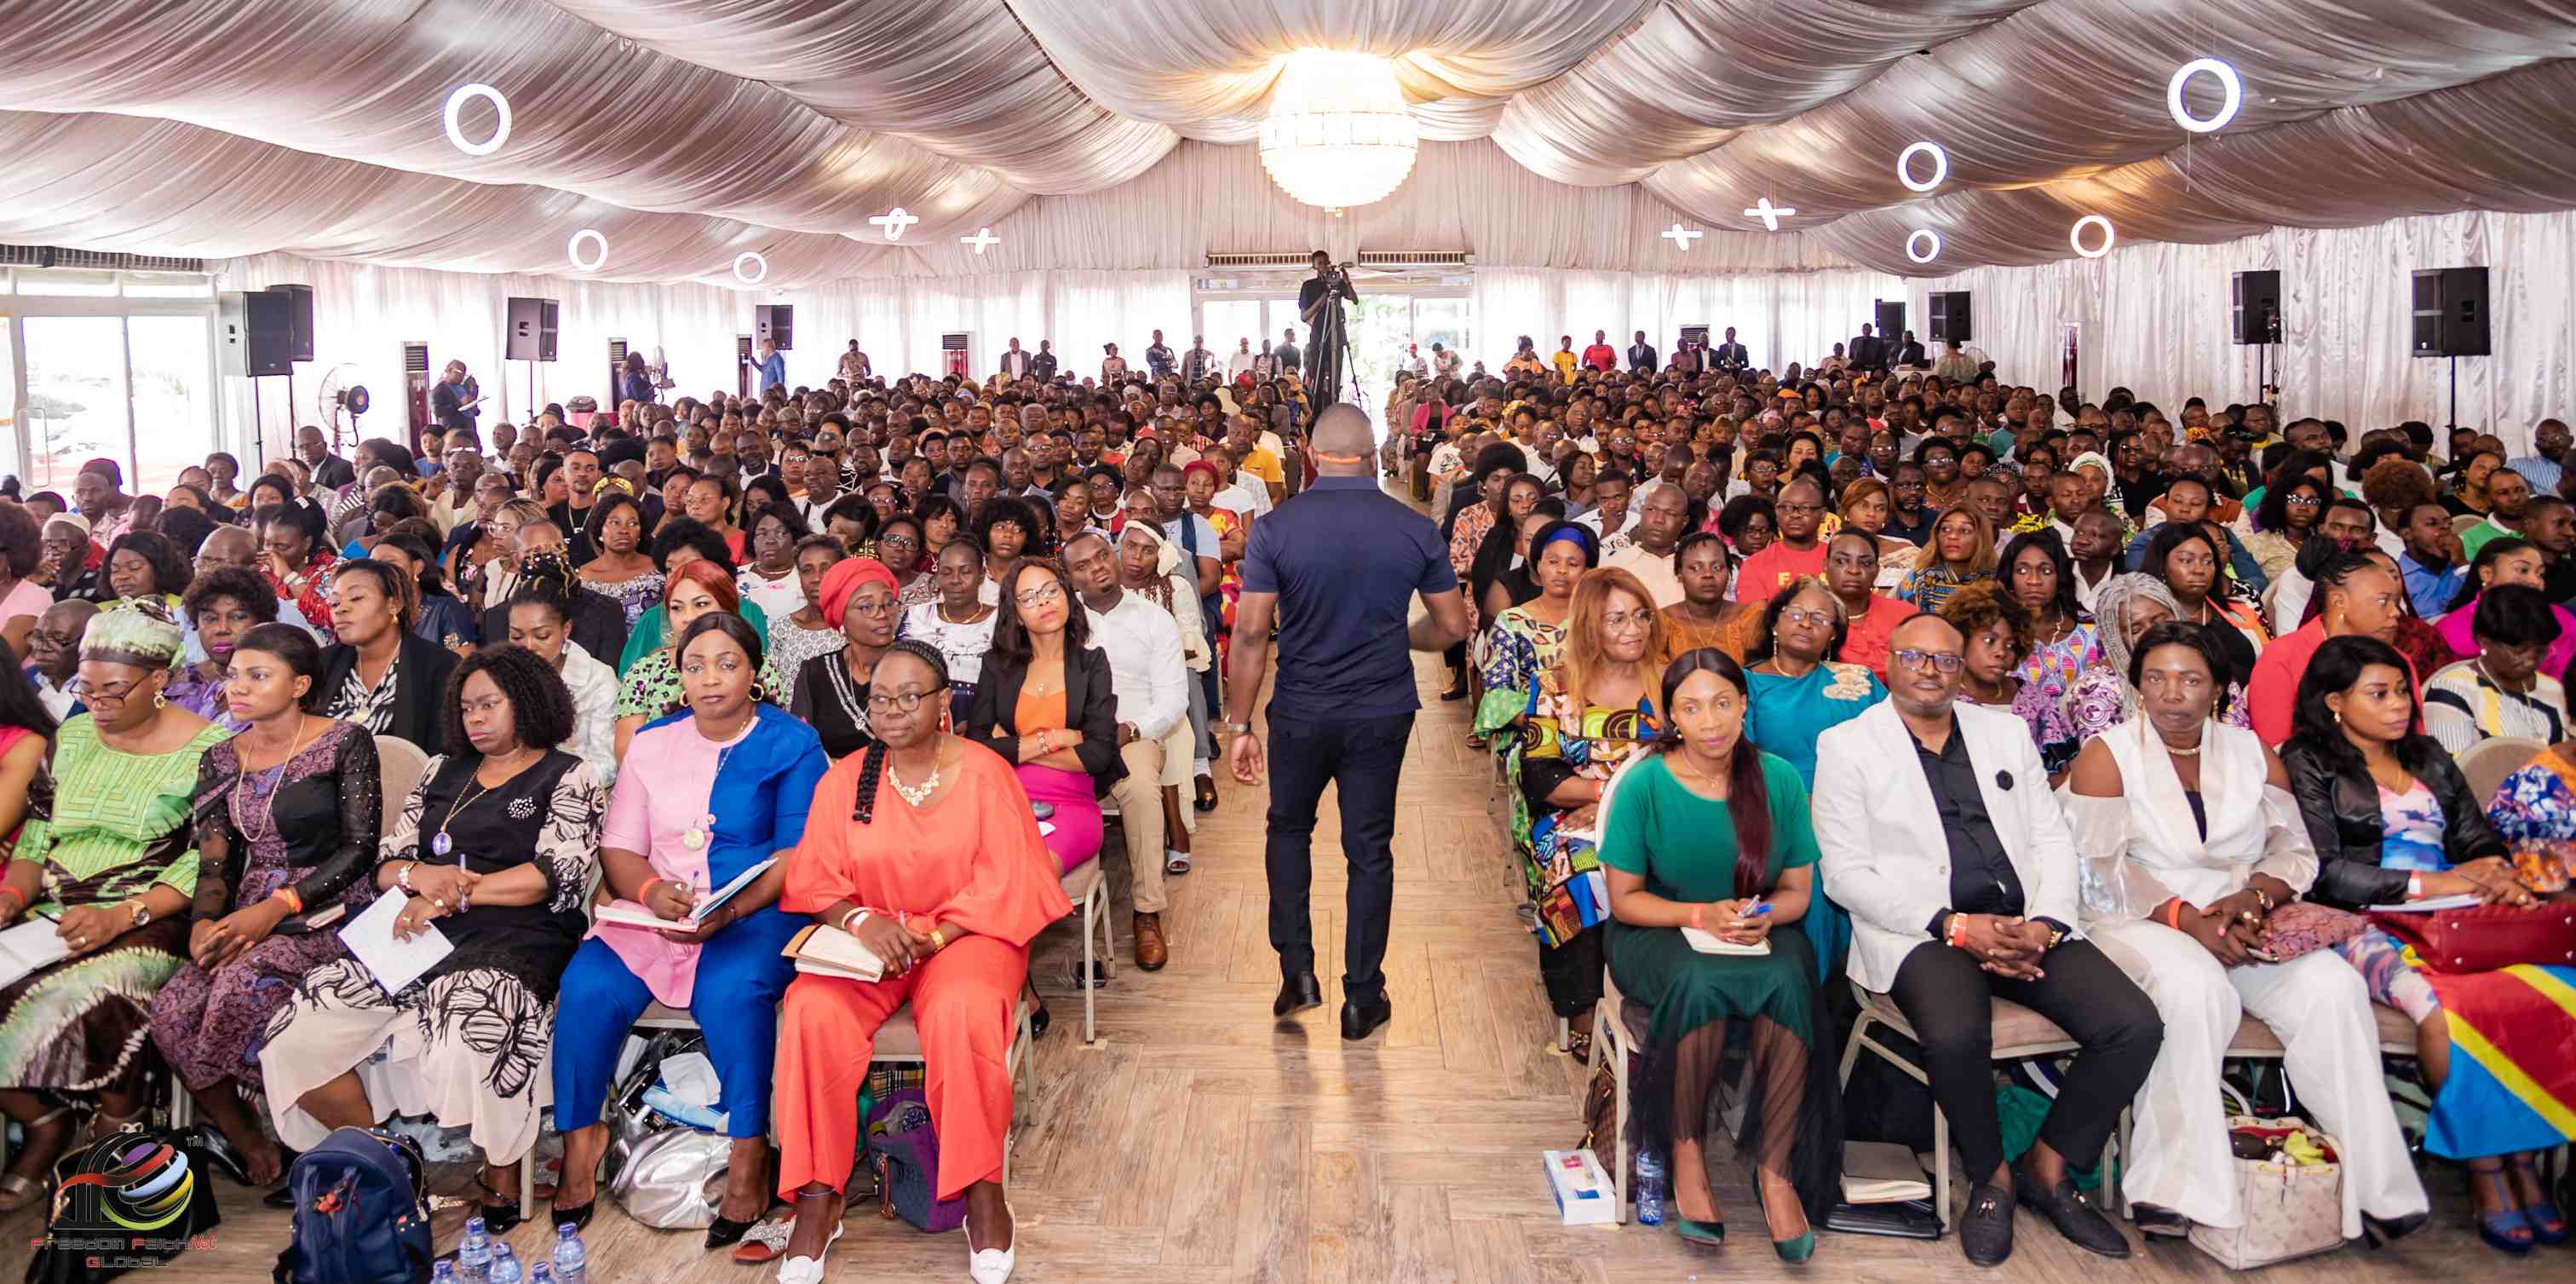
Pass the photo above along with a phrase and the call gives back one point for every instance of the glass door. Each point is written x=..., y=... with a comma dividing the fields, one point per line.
x=76, y=398
x=173, y=407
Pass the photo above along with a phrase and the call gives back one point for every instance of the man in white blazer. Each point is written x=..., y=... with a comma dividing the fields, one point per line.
x=1939, y=834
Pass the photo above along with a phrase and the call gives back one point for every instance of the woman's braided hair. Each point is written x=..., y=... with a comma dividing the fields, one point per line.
x=872, y=764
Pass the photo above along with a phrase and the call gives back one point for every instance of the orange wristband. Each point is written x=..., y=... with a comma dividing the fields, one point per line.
x=294, y=903
x=15, y=895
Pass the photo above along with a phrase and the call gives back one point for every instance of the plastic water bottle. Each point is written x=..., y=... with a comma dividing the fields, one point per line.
x=572, y=1261
x=444, y=1272
x=474, y=1254
x=1650, y=1190
x=505, y=1266
x=544, y=1274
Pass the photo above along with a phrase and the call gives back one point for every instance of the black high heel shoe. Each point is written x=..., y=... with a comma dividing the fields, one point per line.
x=724, y=1232
x=576, y=1216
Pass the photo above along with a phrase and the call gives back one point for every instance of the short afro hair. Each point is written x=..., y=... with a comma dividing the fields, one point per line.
x=240, y=583
x=541, y=710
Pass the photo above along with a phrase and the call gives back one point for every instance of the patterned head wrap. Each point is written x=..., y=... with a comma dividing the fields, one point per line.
x=138, y=631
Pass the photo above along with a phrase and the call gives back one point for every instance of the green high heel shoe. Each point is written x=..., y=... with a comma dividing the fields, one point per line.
x=1790, y=1250
x=1712, y=1234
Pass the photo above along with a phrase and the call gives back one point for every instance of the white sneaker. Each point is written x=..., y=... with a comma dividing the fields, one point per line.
x=992, y=1265
x=809, y=1270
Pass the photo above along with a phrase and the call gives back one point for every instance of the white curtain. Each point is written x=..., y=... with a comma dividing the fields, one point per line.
x=2154, y=318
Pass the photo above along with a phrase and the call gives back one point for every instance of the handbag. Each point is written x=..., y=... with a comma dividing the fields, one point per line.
x=899, y=1131
x=2483, y=938
x=2305, y=927
x=672, y=1179
x=2292, y=1209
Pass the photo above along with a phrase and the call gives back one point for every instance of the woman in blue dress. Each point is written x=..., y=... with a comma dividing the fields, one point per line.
x=707, y=793
x=1795, y=694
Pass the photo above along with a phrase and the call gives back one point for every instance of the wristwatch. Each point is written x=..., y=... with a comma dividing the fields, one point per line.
x=142, y=912
x=1236, y=728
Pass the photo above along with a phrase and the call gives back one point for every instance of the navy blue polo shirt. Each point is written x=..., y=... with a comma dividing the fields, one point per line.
x=1345, y=560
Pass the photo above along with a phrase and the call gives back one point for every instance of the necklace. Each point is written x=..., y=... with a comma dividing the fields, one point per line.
x=242, y=793
x=915, y=794
x=440, y=844
x=697, y=837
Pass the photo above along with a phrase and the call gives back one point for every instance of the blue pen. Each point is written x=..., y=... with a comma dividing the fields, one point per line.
x=1757, y=909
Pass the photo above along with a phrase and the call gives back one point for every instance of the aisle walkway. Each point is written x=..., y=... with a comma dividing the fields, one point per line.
x=1200, y=1143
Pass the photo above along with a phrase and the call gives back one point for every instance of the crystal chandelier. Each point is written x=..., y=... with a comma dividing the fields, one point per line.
x=1338, y=134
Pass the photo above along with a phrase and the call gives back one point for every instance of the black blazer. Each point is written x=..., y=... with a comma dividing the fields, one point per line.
x=2341, y=808
x=420, y=689
x=1089, y=705
x=597, y=622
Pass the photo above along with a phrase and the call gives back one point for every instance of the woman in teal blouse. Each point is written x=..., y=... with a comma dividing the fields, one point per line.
x=1711, y=833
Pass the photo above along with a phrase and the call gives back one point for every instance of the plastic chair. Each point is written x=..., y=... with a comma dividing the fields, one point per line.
x=1087, y=886
x=2489, y=761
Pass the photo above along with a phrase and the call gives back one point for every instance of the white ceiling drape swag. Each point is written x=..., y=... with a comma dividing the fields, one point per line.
x=699, y=128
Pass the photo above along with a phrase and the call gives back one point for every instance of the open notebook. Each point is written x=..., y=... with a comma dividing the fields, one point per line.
x=1708, y=943
x=29, y=946
x=623, y=913
x=829, y=951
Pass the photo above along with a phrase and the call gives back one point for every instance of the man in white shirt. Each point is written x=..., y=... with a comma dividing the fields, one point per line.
x=1015, y=360
x=1242, y=361
x=1611, y=516
x=1149, y=676
x=1662, y=511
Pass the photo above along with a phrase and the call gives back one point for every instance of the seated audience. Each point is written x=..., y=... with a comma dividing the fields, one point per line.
x=1998, y=632
x=714, y=790
x=2039, y=575
x=540, y=622
x=959, y=624
x=1988, y=910
x=2500, y=692
x=1853, y=572
x=2393, y=820
x=108, y=855
x=1526, y=640
x=923, y=847
x=1708, y=616
x=224, y=603
x=1045, y=705
x=654, y=687
x=2358, y=596
x=1711, y=833
x=380, y=674
x=1147, y=679
x=1797, y=691
x=1962, y=552
x=2505, y=560
x=2189, y=859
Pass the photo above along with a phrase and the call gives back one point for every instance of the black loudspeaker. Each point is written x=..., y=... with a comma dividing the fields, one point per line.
x=255, y=338
x=2451, y=312
x=775, y=322
x=1950, y=316
x=1891, y=321
x=533, y=324
x=299, y=320
x=2254, y=307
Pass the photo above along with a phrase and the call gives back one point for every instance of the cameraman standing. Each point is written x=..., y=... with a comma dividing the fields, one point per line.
x=1324, y=319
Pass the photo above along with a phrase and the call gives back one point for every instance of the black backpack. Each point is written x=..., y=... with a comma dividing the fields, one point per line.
x=361, y=1212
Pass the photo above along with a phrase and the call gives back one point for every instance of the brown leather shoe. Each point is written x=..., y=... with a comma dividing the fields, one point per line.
x=1151, y=950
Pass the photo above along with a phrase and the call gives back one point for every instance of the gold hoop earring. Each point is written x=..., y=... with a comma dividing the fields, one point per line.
x=759, y=693
x=160, y=700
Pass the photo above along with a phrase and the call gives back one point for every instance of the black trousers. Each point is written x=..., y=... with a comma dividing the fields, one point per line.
x=1947, y=998
x=1362, y=758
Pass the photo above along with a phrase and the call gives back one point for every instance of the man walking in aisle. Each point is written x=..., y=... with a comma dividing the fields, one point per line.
x=1337, y=569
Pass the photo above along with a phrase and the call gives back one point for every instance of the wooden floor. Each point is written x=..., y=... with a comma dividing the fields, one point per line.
x=1199, y=1141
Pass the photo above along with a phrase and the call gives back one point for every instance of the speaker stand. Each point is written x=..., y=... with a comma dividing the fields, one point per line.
x=2455, y=396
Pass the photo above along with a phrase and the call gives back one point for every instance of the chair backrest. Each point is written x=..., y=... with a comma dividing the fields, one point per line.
x=401, y=764
x=2489, y=761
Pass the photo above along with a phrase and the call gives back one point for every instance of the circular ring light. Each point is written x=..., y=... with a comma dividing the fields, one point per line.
x=2076, y=237
x=1905, y=166
x=1923, y=234
x=752, y=256
x=2232, y=88
x=572, y=250
x=456, y=109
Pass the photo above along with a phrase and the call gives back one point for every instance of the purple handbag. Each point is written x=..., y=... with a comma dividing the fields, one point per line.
x=899, y=1130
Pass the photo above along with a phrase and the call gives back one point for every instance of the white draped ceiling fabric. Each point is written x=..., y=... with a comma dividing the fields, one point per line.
x=688, y=131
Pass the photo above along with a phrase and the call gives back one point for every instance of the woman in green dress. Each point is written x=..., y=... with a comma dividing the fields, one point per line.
x=1711, y=833
x=108, y=853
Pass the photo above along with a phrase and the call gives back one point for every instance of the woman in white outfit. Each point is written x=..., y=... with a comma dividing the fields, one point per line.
x=2192, y=840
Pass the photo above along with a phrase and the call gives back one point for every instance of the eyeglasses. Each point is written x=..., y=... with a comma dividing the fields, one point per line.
x=897, y=541
x=1946, y=661
x=1813, y=619
x=2302, y=501
x=887, y=606
x=902, y=702
x=1621, y=620
x=1040, y=596
x=100, y=692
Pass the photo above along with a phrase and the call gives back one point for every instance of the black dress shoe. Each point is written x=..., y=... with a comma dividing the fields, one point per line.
x=1358, y=1019
x=1457, y=690
x=2072, y=1214
x=2157, y=1220
x=1296, y=994
x=1986, y=1233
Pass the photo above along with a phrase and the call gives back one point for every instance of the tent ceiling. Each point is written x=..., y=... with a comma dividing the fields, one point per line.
x=693, y=129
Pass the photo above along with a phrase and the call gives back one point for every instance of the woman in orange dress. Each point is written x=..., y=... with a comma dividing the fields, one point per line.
x=925, y=849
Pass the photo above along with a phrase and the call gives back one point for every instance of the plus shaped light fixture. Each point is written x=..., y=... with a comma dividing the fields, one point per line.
x=1770, y=215
x=983, y=237
x=1681, y=237
x=895, y=222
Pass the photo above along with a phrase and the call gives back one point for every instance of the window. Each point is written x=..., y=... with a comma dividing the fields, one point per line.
x=66, y=284
x=75, y=397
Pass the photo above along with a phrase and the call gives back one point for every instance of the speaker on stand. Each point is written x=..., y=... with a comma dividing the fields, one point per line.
x=742, y=365
x=2254, y=319
x=530, y=337
x=2451, y=320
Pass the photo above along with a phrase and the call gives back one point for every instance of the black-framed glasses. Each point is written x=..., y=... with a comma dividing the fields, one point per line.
x=903, y=701
x=95, y=692
x=1946, y=661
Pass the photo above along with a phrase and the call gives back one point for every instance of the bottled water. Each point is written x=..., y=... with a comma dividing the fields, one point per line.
x=572, y=1261
x=505, y=1266
x=474, y=1255
x=1650, y=1190
x=544, y=1274
x=443, y=1273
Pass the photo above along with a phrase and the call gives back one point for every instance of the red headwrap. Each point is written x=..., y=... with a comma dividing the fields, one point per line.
x=843, y=582
x=1202, y=466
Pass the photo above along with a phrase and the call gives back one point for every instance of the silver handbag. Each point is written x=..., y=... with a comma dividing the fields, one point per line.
x=671, y=1179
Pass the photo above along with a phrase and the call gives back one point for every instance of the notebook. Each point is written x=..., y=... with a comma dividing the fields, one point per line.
x=1708, y=943
x=29, y=946
x=2430, y=905
x=829, y=951
x=395, y=963
x=1880, y=1172
x=624, y=913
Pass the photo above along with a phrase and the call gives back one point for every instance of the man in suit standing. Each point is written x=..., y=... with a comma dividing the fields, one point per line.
x=1338, y=570
x=1015, y=360
x=1731, y=355
x=1944, y=926
x=1641, y=356
x=1866, y=351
